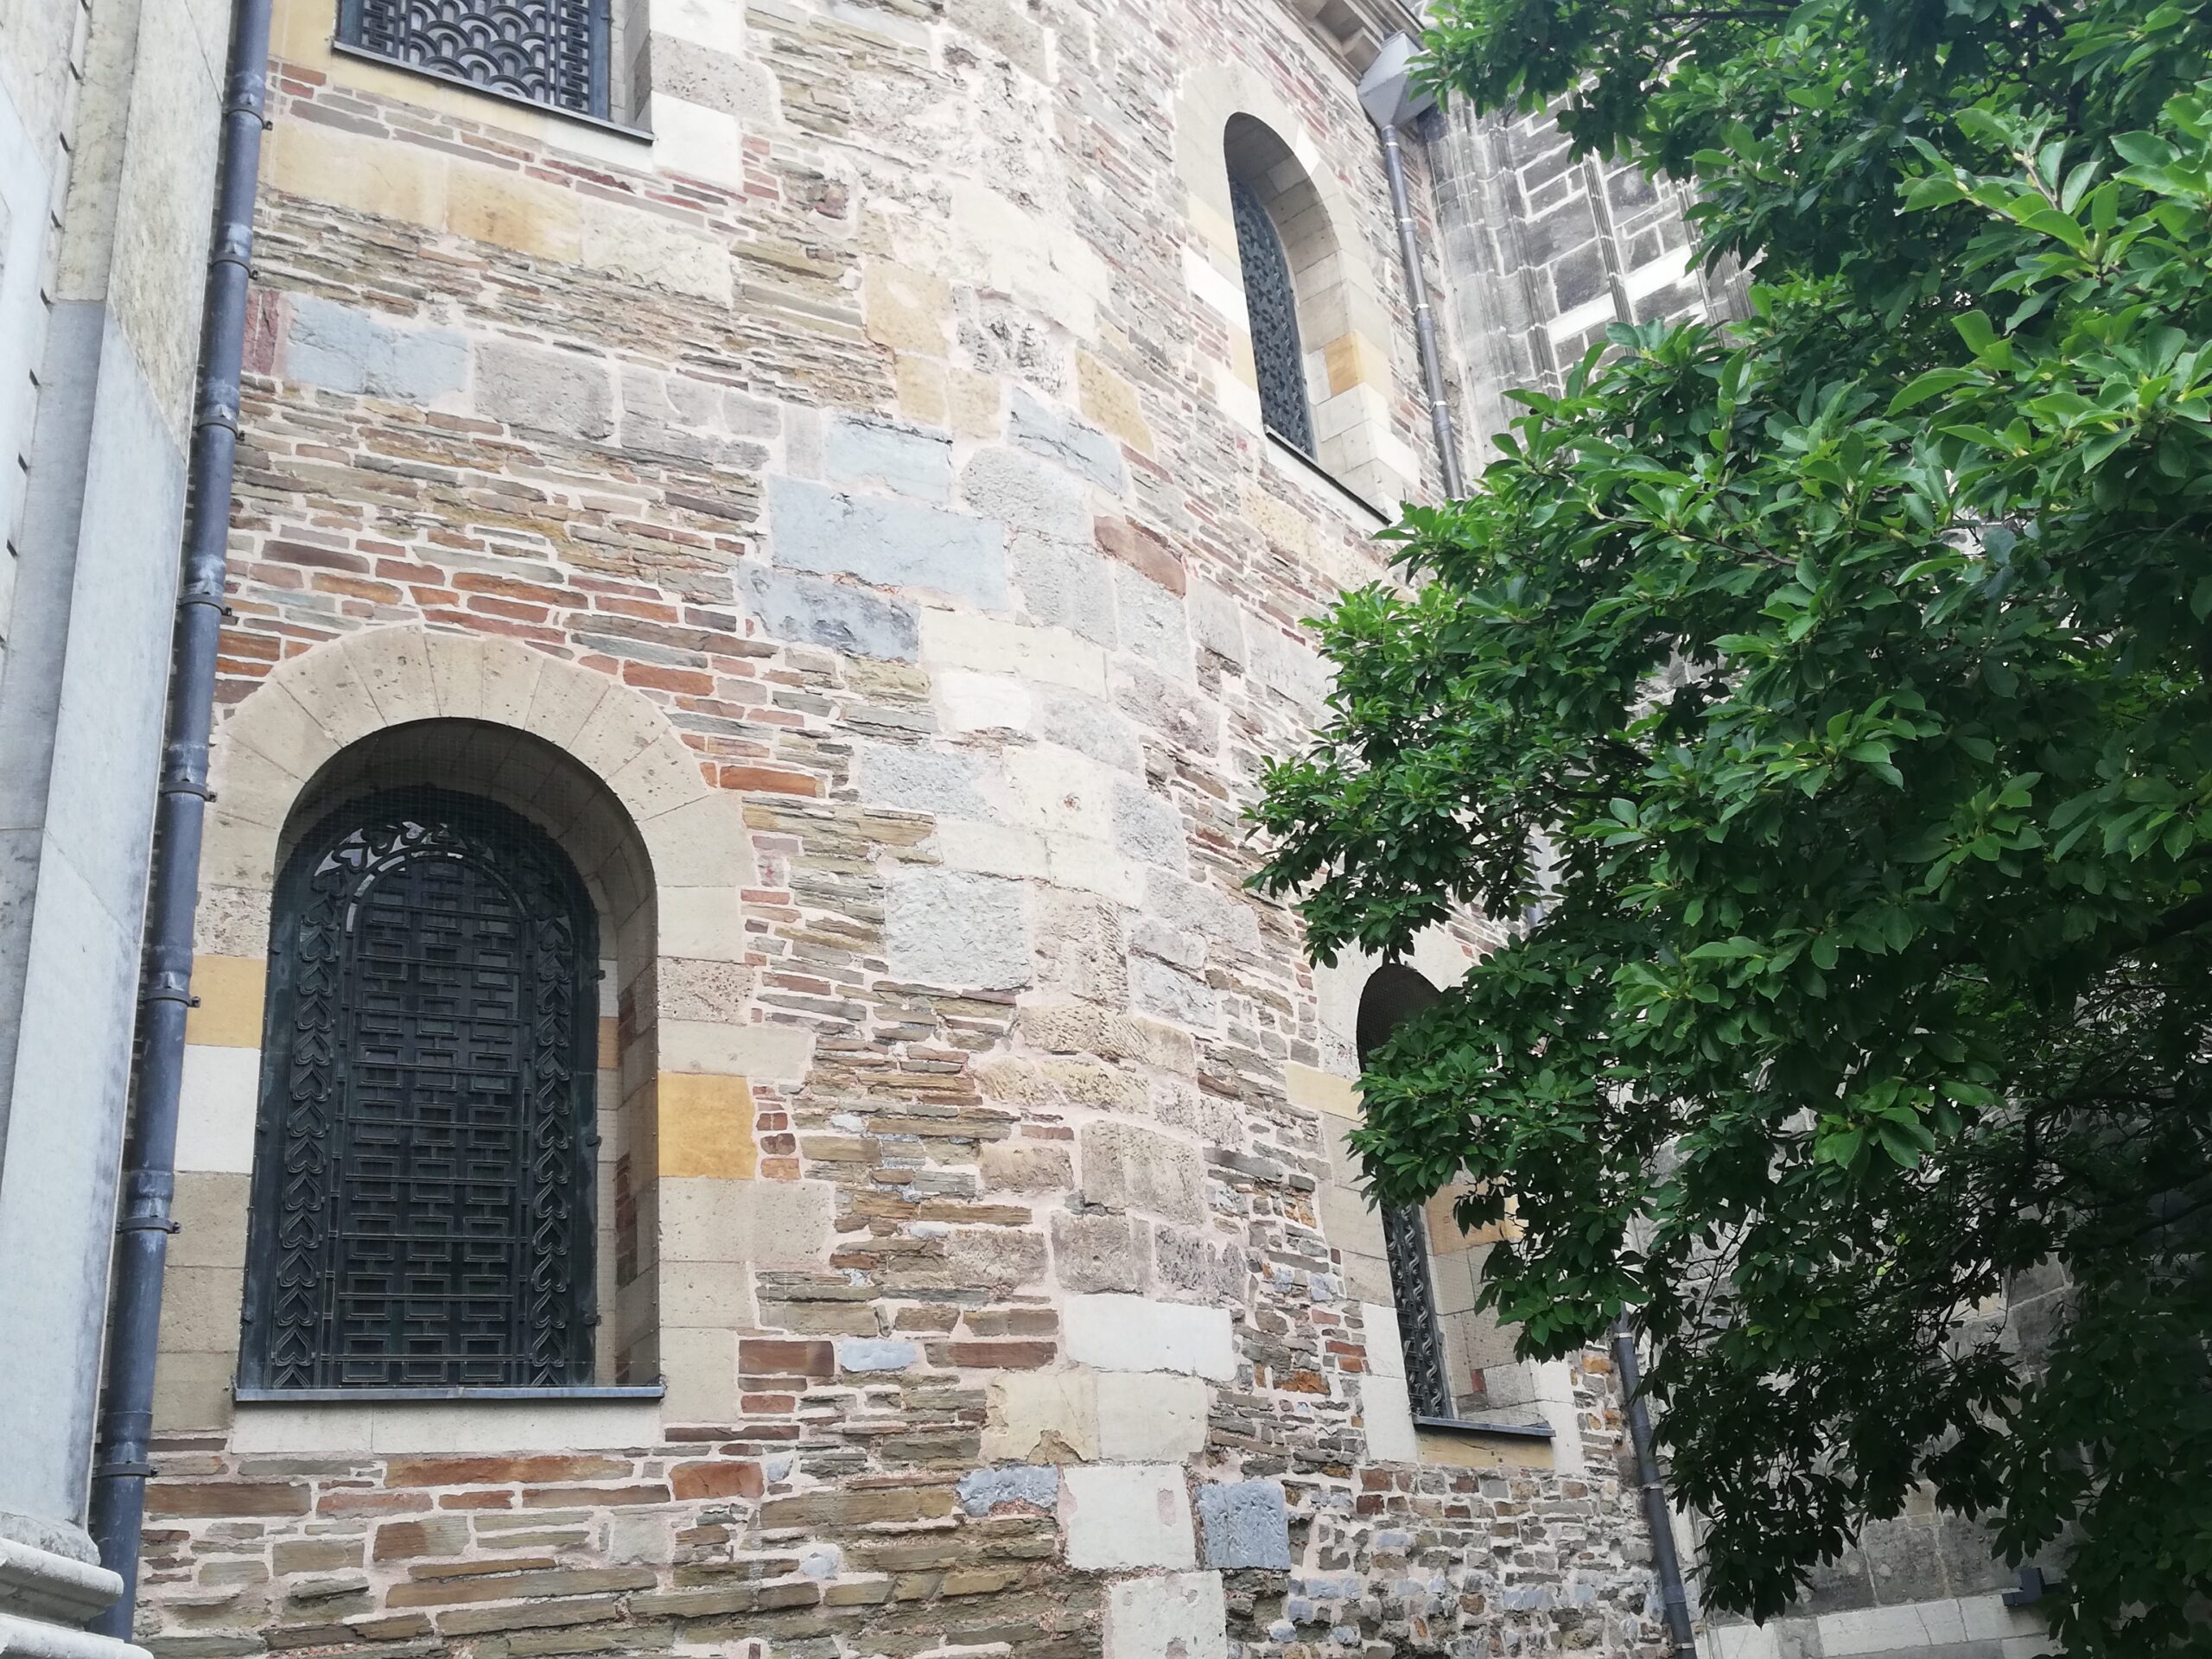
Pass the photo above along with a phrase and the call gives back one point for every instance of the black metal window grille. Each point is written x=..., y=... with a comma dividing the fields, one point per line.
x=552, y=52
x=423, y=1206
x=1271, y=303
x=1420, y=1333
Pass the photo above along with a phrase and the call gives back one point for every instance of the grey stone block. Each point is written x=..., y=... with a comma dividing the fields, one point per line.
x=892, y=544
x=1170, y=708
x=947, y=927
x=1146, y=828
x=819, y=612
x=542, y=391
x=1244, y=1523
x=920, y=780
x=1064, y=585
x=343, y=349
x=905, y=460
x=1023, y=1483
x=1152, y=622
x=1041, y=429
x=1088, y=727
x=1098, y=1252
x=1155, y=988
x=1024, y=493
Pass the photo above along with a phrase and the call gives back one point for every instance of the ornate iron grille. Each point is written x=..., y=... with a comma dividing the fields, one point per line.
x=547, y=51
x=423, y=1206
x=1405, y=1240
x=1271, y=303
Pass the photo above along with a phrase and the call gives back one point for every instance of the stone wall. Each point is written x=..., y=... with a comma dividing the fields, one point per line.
x=861, y=481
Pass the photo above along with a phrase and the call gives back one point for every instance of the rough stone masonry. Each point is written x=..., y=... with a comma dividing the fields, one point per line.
x=842, y=517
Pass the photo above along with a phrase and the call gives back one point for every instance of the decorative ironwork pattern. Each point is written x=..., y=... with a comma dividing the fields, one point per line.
x=1405, y=1240
x=547, y=51
x=424, y=1185
x=1271, y=303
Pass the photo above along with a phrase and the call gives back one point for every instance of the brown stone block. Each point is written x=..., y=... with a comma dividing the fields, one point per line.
x=758, y=1357
x=393, y=1627
x=519, y=1587
x=316, y=1554
x=857, y=1508
x=1000, y=1355
x=400, y=1540
x=1142, y=551
x=226, y=1497
x=478, y=1621
x=494, y=1471
x=725, y=1477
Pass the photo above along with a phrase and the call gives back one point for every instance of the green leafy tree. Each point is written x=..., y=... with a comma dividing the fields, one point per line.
x=1830, y=690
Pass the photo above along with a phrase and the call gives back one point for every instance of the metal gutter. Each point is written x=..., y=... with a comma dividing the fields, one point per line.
x=120, y=1462
x=1666, y=1561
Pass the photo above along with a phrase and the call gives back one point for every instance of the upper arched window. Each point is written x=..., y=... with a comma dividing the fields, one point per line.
x=550, y=52
x=1271, y=301
x=422, y=1187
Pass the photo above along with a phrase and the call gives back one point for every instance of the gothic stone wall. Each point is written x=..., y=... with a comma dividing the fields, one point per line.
x=881, y=435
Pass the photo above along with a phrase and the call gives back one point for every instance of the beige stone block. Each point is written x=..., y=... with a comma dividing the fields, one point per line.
x=707, y=1295
x=1349, y=1224
x=701, y=1367
x=218, y=1099
x=1111, y=402
x=508, y=681
x=991, y=848
x=1470, y=1449
x=193, y=1391
x=704, y=922
x=621, y=726
x=906, y=310
x=695, y=139
x=650, y=248
x=765, y=1224
x=252, y=787
x=706, y=1127
x=272, y=723
x=487, y=205
x=232, y=920
x=1321, y=1091
x=702, y=842
x=975, y=402
x=1355, y=361
x=200, y=1309
x=765, y=1053
x=1387, y=1408
x=1146, y=1418
x=659, y=778
x=921, y=386
x=1042, y=1417
x=563, y=702
x=995, y=644
x=327, y=684
x=379, y=176
x=228, y=989
x=210, y=1210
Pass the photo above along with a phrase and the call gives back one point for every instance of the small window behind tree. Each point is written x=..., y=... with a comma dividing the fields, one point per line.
x=422, y=1189
x=550, y=52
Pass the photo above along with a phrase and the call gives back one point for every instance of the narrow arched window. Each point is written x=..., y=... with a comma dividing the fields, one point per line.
x=422, y=1190
x=1394, y=994
x=1271, y=304
x=552, y=52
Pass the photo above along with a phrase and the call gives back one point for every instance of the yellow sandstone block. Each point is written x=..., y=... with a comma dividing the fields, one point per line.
x=1355, y=361
x=230, y=991
x=975, y=400
x=906, y=310
x=487, y=205
x=921, y=387
x=377, y=176
x=1112, y=402
x=1322, y=1091
x=1463, y=1450
x=706, y=1127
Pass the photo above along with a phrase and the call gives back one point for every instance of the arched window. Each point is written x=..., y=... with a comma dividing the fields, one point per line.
x=422, y=1188
x=1271, y=301
x=1460, y=1361
x=552, y=52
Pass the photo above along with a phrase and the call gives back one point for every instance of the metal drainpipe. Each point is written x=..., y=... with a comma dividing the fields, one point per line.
x=1432, y=367
x=1674, y=1598
x=120, y=1466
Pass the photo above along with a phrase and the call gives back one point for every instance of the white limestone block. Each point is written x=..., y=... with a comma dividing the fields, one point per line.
x=1144, y=1417
x=1129, y=1514
x=1172, y=1616
x=1129, y=1334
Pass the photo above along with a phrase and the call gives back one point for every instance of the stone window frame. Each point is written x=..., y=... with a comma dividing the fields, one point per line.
x=1354, y=1230
x=1229, y=119
x=668, y=859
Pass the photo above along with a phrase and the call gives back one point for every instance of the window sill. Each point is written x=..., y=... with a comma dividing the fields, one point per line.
x=246, y=1397
x=1475, y=1428
x=1453, y=1443
x=1285, y=450
x=362, y=54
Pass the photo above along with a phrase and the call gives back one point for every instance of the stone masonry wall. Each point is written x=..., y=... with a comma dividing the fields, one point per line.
x=881, y=433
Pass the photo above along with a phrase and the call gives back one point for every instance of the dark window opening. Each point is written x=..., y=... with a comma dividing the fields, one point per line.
x=1271, y=304
x=1394, y=994
x=550, y=52
x=423, y=1178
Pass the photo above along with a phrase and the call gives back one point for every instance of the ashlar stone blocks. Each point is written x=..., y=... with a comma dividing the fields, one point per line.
x=1122, y=1516
x=1170, y=1615
x=1130, y=1333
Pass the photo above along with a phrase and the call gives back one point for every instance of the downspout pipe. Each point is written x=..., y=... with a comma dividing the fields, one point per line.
x=120, y=1464
x=1386, y=93
x=1666, y=1561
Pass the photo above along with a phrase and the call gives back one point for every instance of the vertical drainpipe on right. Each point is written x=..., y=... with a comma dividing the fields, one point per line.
x=1391, y=100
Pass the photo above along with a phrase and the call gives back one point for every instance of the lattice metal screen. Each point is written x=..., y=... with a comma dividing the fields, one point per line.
x=548, y=51
x=1271, y=303
x=423, y=1193
x=1405, y=1239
